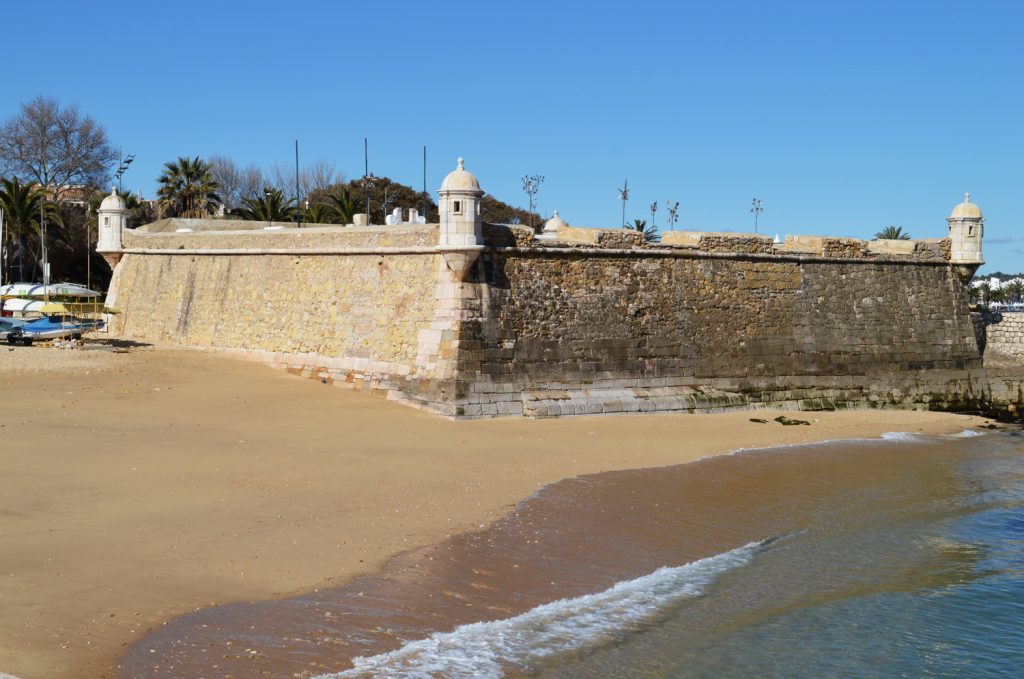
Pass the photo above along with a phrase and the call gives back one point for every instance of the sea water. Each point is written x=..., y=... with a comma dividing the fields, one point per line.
x=895, y=557
x=933, y=589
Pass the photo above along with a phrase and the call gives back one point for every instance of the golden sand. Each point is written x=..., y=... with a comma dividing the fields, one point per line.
x=137, y=487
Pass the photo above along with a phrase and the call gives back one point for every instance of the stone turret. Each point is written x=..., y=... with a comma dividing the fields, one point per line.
x=113, y=218
x=461, y=227
x=966, y=227
x=552, y=227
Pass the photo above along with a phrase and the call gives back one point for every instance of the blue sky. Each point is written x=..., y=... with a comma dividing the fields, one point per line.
x=842, y=117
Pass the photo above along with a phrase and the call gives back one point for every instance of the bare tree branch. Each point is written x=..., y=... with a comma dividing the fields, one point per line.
x=56, y=147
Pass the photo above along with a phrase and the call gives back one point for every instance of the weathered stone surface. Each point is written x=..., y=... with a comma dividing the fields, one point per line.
x=554, y=329
x=366, y=311
x=1002, y=336
x=163, y=235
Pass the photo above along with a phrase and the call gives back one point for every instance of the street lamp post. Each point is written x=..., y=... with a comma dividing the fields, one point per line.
x=531, y=185
x=757, y=209
x=624, y=196
x=673, y=214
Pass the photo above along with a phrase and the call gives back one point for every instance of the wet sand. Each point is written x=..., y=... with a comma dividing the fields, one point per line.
x=576, y=537
x=150, y=484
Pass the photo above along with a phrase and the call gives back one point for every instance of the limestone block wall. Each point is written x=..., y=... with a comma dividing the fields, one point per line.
x=355, y=314
x=595, y=322
x=1004, y=334
x=564, y=333
x=165, y=235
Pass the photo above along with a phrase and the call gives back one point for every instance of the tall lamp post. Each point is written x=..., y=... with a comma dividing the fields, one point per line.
x=673, y=214
x=531, y=185
x=757, y=209
x=624, y=196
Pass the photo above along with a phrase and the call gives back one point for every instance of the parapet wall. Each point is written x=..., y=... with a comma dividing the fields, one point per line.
x=593, y=322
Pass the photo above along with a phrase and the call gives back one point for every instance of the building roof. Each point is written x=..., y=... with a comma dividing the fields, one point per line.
x=460, y=180
x=554, y=224
x=113, y=201
x=966, y=209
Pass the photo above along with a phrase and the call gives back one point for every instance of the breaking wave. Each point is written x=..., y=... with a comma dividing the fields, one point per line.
x=904, y=436
x=485, y=649
x=966, y=434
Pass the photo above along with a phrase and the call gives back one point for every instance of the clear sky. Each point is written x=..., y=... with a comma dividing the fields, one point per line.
x=843, y=117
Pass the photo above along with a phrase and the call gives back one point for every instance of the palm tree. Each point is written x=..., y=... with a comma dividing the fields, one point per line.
x=341, y=206
x=270, y=207
x=892, y=233
x=23, y=205
x=187, y=189
x=984, y=291
x=650, y=232
x=317, y=213
x=1015, y=291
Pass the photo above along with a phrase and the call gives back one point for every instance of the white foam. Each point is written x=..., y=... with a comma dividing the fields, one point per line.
x=7, y=676
x=904, y=436
x=483, y=649
x=966, y=434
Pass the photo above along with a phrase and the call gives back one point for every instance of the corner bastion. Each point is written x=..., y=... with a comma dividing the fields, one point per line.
x=472, y=320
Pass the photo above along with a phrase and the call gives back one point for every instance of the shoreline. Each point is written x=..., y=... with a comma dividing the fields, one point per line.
x=171, y=480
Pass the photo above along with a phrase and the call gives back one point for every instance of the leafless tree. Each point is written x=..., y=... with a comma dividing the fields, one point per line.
x=236, y=182
x=56, y=147
x=319, y=175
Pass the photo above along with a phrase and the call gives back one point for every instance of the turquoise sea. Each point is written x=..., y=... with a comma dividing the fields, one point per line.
x=896, y=557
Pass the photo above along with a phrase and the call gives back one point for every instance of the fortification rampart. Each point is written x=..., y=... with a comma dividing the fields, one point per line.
x=474, y=320
x=594, y=322
x=346, y=298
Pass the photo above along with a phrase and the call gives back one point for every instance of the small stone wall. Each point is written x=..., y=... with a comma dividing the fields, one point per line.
x=1003, y=335
x=921, y=250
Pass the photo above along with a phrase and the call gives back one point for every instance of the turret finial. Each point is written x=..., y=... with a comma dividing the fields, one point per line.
x=460, y=163
x=967, y=197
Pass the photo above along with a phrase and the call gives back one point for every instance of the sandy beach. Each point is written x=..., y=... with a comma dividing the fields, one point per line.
x=138, y=486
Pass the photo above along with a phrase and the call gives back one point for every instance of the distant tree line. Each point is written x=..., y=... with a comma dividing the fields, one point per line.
x=983, y=292
x=193, y=187
x=56, y=164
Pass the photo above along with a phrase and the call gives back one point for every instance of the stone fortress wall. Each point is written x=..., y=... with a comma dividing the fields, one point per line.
x=576, y=321
x=328, y=301
x=1001, y=336
x=671, y=329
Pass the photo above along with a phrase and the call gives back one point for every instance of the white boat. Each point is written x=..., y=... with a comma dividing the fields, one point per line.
x=52, y=290
x=18, y=307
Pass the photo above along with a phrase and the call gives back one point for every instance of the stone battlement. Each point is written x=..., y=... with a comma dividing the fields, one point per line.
x=216, y=234
x=472, y=320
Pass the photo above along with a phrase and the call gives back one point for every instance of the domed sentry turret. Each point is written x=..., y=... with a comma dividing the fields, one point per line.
x=966, y=227
x=112, y=216
x=461, y=228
